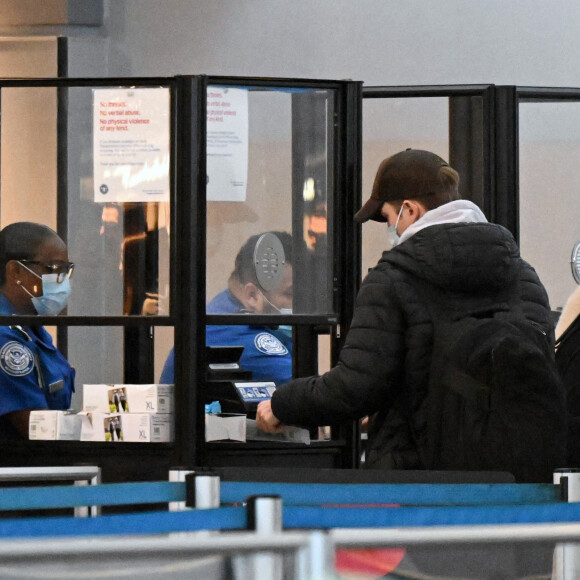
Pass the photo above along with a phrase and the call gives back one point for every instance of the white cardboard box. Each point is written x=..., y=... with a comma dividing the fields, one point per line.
x=54, y=425
x=127, y=427
x=151, y=398
x=225, y=426
x=162, y=427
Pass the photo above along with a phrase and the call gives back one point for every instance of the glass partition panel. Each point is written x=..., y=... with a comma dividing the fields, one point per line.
x=391, y=125
x=93, y=163
x=118, y=187
x=118, y=226
x=549, y=201
x=270, y=170
x=96, y=353
x=28, y=155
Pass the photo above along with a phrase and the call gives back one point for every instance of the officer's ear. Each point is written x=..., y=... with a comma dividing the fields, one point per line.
x=13, y=271
x=252, y=297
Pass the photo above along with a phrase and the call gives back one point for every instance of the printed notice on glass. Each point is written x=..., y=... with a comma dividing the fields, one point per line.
x=131, y=144
x=227, y=144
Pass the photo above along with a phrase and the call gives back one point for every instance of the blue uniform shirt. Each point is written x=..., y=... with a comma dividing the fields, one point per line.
x=267, y=352
x=33, y=373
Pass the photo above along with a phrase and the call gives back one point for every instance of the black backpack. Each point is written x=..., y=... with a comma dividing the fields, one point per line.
x=568, y=364
x=495, y=399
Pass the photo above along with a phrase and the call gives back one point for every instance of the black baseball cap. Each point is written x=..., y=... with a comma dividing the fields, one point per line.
x=409, y=174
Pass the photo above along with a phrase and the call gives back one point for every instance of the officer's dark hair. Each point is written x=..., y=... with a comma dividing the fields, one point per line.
x=244, y=270
x=20, y=241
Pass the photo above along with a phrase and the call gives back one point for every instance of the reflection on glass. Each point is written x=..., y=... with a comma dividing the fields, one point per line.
x=120, y=247
x=96, y=352
x=123, y=261
x=288, y=155
x=549, y=148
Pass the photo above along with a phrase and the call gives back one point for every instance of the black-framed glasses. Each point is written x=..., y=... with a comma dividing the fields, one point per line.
x=62, y=270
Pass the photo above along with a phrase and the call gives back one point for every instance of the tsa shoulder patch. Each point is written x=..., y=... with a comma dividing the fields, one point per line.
x=269, y=344
x=16, y=359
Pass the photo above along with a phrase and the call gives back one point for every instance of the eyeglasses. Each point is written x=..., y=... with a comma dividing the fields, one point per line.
x=62, y=270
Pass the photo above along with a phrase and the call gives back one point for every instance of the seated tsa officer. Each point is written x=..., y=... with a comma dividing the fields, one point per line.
x=267, y=350
x=34, y=279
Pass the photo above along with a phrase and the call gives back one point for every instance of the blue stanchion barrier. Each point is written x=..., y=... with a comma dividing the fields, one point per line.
x=301, y=517
x=292, y=493
x=227, y=518
x=406, y=494
x=23, y=498
x=401, y=517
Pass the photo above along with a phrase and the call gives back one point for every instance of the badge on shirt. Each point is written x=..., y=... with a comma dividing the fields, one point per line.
x=16, y=359
x=269, y=344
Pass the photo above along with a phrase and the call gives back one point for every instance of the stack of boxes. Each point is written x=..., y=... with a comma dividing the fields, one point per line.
x=128, y=413
x=131, y=413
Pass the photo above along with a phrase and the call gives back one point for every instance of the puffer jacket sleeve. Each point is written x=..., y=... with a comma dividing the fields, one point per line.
x=369, y=368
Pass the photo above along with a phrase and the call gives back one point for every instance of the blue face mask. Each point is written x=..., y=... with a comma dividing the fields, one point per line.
x=392, y=233
x=54, y=297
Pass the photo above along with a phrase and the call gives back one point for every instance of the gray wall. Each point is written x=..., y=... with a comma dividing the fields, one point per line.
x=377, y=41
x=386, y=42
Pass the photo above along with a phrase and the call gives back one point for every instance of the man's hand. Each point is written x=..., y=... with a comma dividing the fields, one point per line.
x=266, y=420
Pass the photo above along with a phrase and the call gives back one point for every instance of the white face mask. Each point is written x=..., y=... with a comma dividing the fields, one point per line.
x=273, y=306
x=392, y=234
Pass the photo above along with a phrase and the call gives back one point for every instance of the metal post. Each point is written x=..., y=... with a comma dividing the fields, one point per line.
x=316, y=561
x=78, y=474
x=203, y=490
x=265, y=513
x=178, y=474
x=87, y=511
x=567, y=556
x=265, y=518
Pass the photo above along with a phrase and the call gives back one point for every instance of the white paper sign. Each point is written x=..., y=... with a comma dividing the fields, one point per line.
x=227, y=144
x=131, y=144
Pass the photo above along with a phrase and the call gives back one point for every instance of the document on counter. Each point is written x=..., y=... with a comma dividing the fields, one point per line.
x=289, y=435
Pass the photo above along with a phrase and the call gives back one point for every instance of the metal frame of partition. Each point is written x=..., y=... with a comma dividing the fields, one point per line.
x=346, y=191
x=187, y=270
x=113, y=461
x=507, y=99
x=494, y=149
x=471, y=134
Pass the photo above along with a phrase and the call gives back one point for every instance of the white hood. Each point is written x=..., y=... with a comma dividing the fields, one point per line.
x=454, y=212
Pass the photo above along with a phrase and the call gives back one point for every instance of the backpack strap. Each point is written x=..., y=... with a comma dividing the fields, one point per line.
x=573, y=327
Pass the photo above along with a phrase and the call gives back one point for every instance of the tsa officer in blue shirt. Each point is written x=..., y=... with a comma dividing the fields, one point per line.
x=267, y=350
x=34, y=279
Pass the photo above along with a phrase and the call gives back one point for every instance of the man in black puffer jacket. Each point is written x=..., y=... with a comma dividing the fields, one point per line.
x=383, y=370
